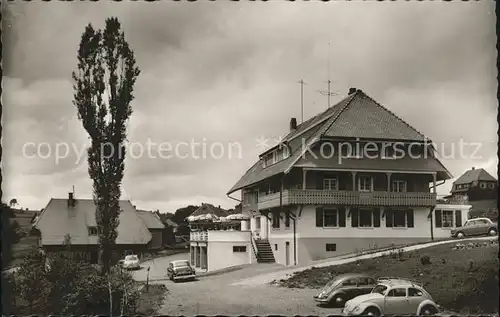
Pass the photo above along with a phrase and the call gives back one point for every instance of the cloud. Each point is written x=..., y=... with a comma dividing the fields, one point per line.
x=224, y=73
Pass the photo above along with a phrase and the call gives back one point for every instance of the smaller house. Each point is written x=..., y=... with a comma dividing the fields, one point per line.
x=155, y=226
x=76, y=218
x=477, y=184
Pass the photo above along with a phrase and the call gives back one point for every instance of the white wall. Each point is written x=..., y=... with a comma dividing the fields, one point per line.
x=228, y=235
x=306, y=227
x=221, y=255
x=445, y=232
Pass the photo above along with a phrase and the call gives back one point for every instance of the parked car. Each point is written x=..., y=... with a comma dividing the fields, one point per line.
x=130, y=262
x=475, y=227
x=180, y=270
x=393, y=296
x=345, y=287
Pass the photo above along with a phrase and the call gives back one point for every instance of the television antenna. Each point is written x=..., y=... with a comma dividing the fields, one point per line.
x=302, y=83
x=328, y=92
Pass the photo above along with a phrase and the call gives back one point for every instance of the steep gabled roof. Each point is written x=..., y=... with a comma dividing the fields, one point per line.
x=205, y=209
x=151, y=220
x=356, y=116
x=58, y=219
x=474, y=174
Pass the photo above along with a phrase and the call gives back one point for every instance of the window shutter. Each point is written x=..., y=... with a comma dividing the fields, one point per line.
x=409, y=218
x=458, y=218
x=439, y=223
x=354, y=217
x=388, y=218
x=319, y=180
x=341, y=217
x=376, y=217
x=319, y=217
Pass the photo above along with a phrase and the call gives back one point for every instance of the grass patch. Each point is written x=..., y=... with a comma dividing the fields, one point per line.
x=464, y=281
x=151, y=299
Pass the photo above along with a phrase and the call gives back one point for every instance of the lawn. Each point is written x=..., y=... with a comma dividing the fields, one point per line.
x=464, y=281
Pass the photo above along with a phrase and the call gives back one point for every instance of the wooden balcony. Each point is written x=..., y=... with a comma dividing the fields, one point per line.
x=344, y=197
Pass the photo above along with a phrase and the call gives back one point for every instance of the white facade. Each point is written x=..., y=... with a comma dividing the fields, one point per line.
x=223, y=248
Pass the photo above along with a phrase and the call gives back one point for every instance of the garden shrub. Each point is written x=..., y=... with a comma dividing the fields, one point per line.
x=425, y=260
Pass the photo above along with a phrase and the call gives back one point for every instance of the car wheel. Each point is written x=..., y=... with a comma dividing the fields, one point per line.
x=428, y=310
x=460, y=235
x=371, y=311
x=338, y=301
x=492, y=232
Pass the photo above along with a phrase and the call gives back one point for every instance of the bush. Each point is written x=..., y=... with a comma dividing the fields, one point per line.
x=68, y=286
x=425, y=260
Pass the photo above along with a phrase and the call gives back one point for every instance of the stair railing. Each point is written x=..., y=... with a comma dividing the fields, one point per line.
x=254, y=246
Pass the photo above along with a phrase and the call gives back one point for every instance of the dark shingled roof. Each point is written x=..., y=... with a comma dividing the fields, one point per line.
x=471, y=175
x=58, y=219
x=356, y=116
x=151, y=220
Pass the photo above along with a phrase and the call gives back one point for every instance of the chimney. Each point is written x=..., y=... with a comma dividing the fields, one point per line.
x=293, y=124
x=352, y=90
x=473, y=168
x=71, y=200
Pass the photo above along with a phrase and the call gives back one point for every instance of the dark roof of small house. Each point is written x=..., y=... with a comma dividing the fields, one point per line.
x=476, y=174
x=205, y=209
x=356, y=116
x=58, y=219
x=151, y=220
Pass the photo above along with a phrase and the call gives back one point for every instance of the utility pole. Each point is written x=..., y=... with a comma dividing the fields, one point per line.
x=302, y=83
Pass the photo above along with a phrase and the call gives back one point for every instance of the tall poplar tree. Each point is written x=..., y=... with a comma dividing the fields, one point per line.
x=103, y=90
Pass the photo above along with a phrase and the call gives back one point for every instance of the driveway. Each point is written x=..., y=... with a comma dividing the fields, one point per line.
x=214, y=295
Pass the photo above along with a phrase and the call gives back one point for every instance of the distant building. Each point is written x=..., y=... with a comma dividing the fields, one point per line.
x=477, y=184
x=76, y=218
x=155, y=226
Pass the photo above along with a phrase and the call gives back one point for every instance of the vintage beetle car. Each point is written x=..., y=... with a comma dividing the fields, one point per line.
x=344, y=287
x=393, y=296
x=180, y=270
x=475, y=227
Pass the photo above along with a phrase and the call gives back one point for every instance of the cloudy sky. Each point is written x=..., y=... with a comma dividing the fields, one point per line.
x=219, y=73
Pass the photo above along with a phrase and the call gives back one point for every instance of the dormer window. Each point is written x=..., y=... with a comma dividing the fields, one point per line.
x=275, y=156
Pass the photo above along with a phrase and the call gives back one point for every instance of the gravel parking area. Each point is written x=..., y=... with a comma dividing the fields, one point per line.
x=215, y=296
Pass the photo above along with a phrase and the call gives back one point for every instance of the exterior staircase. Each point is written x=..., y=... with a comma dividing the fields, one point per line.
x=264, y=251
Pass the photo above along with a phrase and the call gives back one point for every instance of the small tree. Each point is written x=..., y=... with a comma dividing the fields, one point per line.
x=13, y=202
x=106, y=70
x=31, y=280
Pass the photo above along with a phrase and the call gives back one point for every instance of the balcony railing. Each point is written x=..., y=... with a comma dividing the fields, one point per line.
x=344, y=197
x=221, y=235
x=198, y=236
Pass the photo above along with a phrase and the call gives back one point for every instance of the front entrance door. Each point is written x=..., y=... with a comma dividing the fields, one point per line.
x=287, y=253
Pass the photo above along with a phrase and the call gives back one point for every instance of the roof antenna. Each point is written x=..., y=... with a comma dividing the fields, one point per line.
x=302, y=83
x=328, y=92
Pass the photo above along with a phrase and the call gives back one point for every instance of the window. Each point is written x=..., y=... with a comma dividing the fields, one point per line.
x=276, y=220
x=275, y=247
x=397, y=292
x=399, y=186
x=92, y=231
x=365, y=184
x=482, y=185
x=414, y=292
x=447, y=219
x=330, y=218
x=239, y=248
x=350, y=282
x=399, y=218
x=365, y=218
x=353, y=150
x=363, y=281
x=331, y=247
x=491, y=185
x=330, y=184
x=257, y=222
